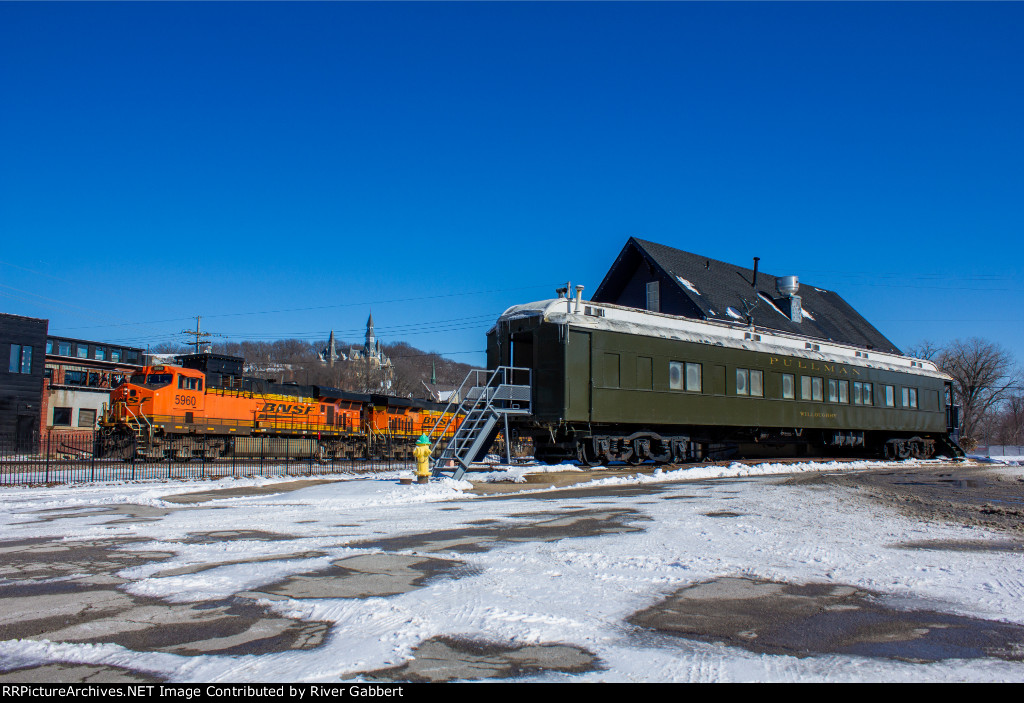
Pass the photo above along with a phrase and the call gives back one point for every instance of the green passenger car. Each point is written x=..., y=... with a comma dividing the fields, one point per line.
x=621, y=384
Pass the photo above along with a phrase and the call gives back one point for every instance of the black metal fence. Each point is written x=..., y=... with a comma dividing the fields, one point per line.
x=68, y=457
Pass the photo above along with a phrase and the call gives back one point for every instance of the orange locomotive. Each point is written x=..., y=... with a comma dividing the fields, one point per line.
x=207, y=408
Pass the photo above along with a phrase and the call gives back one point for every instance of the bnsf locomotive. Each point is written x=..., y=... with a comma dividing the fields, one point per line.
x=205, y=407
x=611, y=383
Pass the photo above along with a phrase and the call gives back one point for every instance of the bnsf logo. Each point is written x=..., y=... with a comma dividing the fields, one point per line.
x=286, y=409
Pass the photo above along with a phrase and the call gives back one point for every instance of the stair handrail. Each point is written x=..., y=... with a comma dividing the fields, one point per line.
x=484, y=401
x=448, y=414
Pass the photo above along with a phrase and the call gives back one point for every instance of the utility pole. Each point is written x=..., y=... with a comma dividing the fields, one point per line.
x=199, y=336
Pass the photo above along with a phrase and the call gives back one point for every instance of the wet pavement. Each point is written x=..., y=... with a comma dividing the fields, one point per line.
x=365, y=576
x=803, y=620
x=450, y=659
x=538, y=527
x=977, y=496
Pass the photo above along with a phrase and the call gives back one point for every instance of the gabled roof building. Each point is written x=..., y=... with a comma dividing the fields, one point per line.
x=658, y=278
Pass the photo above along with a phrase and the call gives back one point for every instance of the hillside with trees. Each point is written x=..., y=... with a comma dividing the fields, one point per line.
x=299, y=361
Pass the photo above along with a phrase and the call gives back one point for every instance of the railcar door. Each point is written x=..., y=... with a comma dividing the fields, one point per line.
x=578, y=376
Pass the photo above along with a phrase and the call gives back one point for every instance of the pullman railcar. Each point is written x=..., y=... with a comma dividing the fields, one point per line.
x=619, y=384
x=206, y=407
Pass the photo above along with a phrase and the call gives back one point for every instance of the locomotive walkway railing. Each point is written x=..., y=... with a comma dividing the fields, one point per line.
x=483, y=402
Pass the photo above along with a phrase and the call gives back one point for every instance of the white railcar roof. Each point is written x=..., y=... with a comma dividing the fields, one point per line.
x=735, y=335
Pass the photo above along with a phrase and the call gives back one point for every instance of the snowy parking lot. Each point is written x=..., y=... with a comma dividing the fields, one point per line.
x=722, y=573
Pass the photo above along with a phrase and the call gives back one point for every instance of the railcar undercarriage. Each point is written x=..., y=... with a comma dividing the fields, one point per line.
x=595, y=446
x=128, y=443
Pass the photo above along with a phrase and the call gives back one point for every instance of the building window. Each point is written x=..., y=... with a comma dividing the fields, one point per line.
x=811, y=388
x=83, y=351
x=75, y=378
x=115, y=354
x=87, y=418
x=63, y=348
x=62, y=417
x=21, y=359
x=890, y=396
x=100, y=354
x=788, y=386
x=653, y=297
x=49, y=346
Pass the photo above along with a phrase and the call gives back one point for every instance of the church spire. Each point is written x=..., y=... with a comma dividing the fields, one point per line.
x=370, y=341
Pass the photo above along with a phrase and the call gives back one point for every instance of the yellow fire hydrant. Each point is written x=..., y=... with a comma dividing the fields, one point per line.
x=422, y=454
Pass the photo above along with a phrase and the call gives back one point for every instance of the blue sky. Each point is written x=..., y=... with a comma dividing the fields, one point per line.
x=282, y=168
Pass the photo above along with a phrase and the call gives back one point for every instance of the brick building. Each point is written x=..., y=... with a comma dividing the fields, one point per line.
x=77, y=381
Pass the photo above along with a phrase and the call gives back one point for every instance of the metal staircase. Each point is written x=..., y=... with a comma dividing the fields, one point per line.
x=484, y=401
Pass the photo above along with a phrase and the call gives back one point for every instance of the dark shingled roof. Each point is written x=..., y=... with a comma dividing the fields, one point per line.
x=722, y=286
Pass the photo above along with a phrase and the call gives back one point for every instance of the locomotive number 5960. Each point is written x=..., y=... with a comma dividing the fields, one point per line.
x=182, y=399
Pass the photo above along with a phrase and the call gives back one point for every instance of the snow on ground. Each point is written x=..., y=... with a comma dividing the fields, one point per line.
x=576, y=590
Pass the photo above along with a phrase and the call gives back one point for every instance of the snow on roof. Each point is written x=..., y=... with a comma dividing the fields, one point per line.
x=687, y=284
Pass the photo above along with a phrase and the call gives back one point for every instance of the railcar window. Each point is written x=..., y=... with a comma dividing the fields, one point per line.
x=137, y=378
x=675, y=375
x=812, y=388
x=833, y=390
x=862, y=394
x=749, y=382
x=693, y=378
x=844, y=391
x=890, y=396
x=909, y=397
x=788, y=386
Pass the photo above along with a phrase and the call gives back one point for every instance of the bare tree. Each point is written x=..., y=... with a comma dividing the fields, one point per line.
x=925, y=349
x=983, y=377
x=1010, y=424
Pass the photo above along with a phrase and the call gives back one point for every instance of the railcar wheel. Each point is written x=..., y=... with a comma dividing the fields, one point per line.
x=587, y=453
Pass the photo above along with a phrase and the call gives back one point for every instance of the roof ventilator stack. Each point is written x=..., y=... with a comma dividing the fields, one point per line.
x=791, y=302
